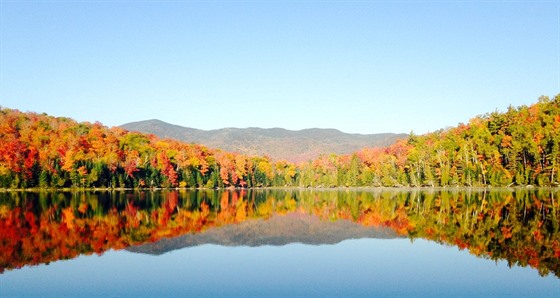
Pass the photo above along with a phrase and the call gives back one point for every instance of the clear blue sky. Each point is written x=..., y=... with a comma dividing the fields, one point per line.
x=358, y=66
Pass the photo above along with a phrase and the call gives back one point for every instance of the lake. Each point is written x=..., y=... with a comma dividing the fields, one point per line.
x=281, y=242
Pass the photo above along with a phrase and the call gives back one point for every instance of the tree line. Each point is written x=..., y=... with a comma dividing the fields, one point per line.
x=518, y=147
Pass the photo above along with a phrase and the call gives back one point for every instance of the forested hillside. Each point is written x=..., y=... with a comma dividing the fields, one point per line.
x=516, y=147
x=276, y=143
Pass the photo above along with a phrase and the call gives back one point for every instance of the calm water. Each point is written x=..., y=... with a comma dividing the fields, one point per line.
x=281, y=243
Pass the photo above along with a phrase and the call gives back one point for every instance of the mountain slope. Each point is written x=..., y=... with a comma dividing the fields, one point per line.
x=277, y=143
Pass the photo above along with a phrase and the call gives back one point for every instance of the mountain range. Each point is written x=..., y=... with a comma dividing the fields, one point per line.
x=276, y=143
x=276, y=231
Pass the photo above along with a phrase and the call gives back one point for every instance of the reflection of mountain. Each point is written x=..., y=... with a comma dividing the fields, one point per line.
x=278, y=230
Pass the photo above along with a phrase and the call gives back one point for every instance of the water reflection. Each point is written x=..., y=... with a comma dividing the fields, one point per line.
x=278, y=230
x=520, y=226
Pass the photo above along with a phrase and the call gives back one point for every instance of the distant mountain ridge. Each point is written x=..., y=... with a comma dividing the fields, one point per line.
x=278, y=230
x=276, y=143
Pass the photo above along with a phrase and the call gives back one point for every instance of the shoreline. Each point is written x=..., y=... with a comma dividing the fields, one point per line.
x=340, y=188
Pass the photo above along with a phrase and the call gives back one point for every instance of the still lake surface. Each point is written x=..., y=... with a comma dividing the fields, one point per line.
x=335, y=243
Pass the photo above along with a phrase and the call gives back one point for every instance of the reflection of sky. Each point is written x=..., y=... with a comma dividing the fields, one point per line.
x=367, y=267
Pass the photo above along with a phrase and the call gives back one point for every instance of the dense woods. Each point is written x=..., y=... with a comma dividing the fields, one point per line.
x=514, y=148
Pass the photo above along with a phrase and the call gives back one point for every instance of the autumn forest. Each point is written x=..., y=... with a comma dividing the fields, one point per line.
x=518, y=147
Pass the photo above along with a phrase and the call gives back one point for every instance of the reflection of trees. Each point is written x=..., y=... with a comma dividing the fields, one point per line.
x=520, y=227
